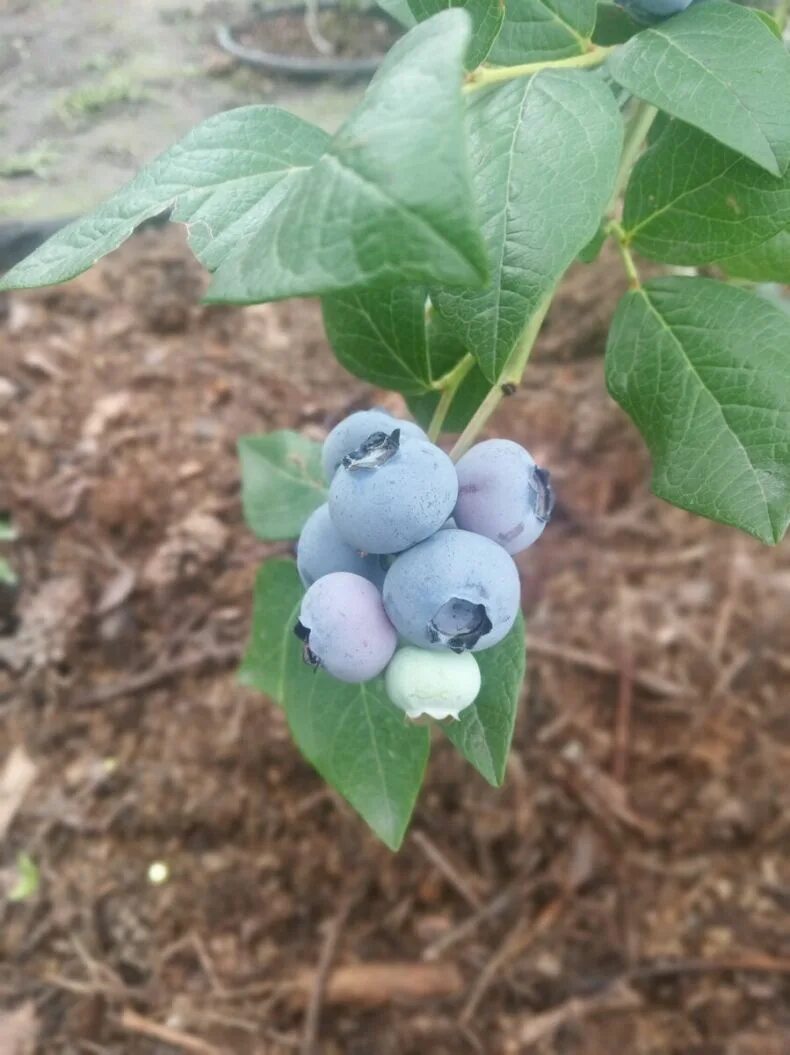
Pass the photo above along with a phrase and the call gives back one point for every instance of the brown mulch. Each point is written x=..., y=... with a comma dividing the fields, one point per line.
x=627, y=890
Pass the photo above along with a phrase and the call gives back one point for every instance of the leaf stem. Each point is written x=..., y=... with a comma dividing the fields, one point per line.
x=614, y=229
x=448, y=386
x=511, y=375
x=485, y=75
x=642, y=118
x=782, y=14
x=477, y=421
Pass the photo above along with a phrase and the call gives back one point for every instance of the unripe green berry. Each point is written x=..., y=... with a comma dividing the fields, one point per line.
x=438, y=684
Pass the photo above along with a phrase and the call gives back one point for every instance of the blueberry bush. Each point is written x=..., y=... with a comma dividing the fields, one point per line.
x=500, y=141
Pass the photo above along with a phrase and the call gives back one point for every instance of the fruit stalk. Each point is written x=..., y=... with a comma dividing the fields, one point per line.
x=448, y=386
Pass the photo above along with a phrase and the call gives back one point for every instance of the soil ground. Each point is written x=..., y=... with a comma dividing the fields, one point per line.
x=627, y=890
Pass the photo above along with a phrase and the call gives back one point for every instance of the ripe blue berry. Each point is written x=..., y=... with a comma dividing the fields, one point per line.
x=503, y=495
x=344, y=628
x=388, y=495
x=456, y=591
x=438, y=684
x=320, y=550
x=352, y=432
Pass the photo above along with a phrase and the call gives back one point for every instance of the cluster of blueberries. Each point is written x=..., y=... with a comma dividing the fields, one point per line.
x=415, y=550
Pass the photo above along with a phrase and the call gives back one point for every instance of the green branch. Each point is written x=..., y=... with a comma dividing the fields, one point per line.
x=629, y=264
x=485, y=75
x=639, y=125
x=642, y=118
x=508, y=380
x=448, y=386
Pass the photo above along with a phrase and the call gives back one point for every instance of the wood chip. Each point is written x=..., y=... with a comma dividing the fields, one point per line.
x=19, y=1030
x=374, y=984
x=18, y=774
x=117, y=590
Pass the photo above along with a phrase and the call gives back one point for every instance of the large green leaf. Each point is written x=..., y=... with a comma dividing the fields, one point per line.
x=691, y=200
x=380, y=336
x=487, y=17
x=545, y=153
x=281, y=482
x=221, y=180
x=720, y=68
x=484, y=731
x=352, y=734
x=704, y=371
x=540, y=30
x=387, y=338
x=390, y=201
x=769, y=262
x=613, y=25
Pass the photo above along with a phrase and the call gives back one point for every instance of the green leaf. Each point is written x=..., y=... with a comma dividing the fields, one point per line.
x=770, y=21
x=8, y=576
x=446, y=352
x=8, y=532
x=28, y=878
x=718, y=67
x=691, y=200
x=775, y=294
x=541, y=30
x=613, y=25
x=487, y=17
x=381, y=336
x=484, y=731
x=390, y=201
x=592, y=250
x=769, y=262
x=281, y=482
x=399, y=10
x=545, y=153
x=352, y=734
x=703, y=369
x=221, y=180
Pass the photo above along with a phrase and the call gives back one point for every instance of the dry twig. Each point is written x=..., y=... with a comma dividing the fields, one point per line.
x=622, y=725
x=448, y=870
x=517, y=942
x=135, y=1023
x=579, y=657
x=173, y=668
x=466, y=927
x=313, y=1014
x=618, y=997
